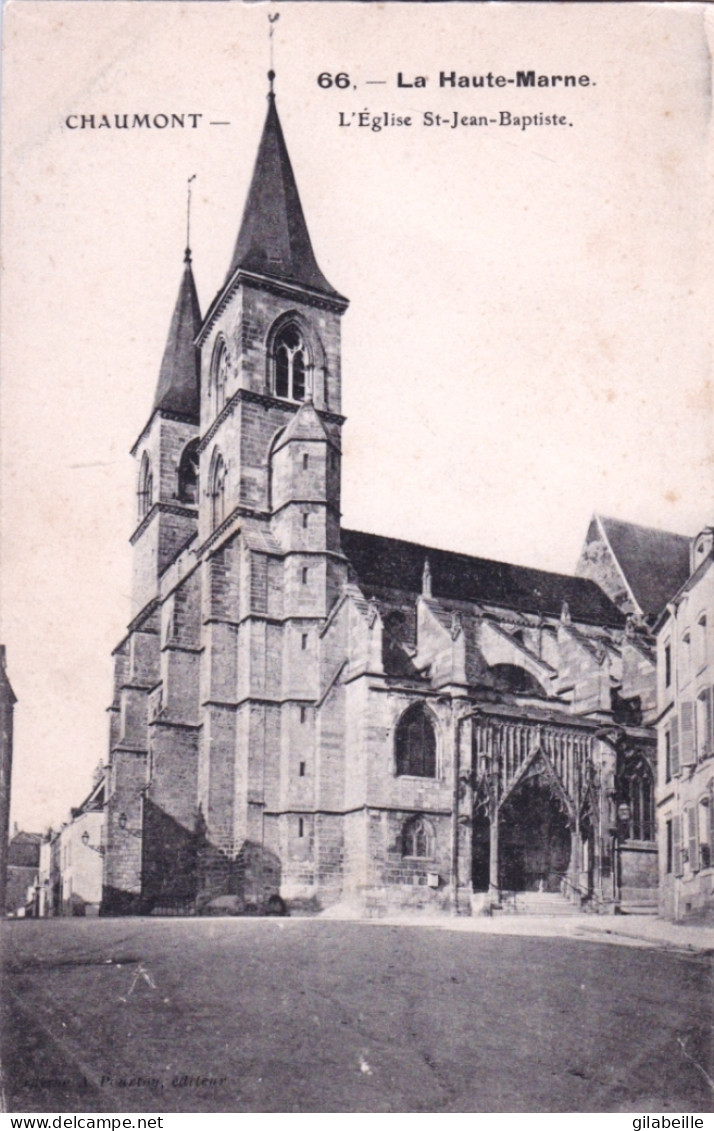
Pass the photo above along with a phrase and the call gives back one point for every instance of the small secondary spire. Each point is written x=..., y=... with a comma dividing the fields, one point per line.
x=178, y=388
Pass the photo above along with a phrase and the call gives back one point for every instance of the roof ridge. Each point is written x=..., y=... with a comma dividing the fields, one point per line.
x=384, y=562
x=642, y=526
x=476, y=558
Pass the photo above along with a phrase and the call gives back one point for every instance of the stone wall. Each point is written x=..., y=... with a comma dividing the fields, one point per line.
x=123, y=856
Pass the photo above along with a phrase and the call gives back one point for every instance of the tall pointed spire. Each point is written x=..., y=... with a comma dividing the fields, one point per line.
x=178, y=389
x=273, y=239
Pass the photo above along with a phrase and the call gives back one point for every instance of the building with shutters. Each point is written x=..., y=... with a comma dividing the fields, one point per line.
x=685, y=650
x=23, y=863
x=314, y=715
x=7, y=708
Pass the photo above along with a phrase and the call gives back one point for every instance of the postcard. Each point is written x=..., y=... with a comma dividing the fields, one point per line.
x=357, y=522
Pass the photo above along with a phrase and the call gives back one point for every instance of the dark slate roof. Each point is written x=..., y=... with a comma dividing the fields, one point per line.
x=178, y=389
x=389, y=563
x=273, y=239
x=655, y=563
x=24, y=850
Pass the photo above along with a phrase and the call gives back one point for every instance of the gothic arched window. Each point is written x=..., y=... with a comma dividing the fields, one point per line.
x=146, y=487
x=638, y=788
x=418, y=838
x=290, y=362
x=219, y=374
x=188, y=474
x=217, y=490
x=416, y=744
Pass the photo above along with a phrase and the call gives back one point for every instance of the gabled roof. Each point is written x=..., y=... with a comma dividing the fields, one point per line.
x=94, y=801
x=273, y=239
x=305, y=425
x=389, y=563
x=654, y=563
x=178, y=389
x=692, y=580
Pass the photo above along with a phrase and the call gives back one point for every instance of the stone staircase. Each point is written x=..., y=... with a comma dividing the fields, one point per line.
x=639, y=901
x=545, y=903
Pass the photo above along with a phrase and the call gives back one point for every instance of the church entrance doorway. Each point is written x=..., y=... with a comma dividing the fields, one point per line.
x=481, y=858
x=534, y=839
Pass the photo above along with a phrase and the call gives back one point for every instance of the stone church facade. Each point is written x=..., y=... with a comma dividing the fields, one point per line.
x=306, y=715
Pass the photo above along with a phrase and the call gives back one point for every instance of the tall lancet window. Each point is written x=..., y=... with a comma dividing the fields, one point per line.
x=146, y=487
x=638, y=790
x=188, y=474
x=290, y=364
x=220, y=374
x=416, y=743
x=217, y=490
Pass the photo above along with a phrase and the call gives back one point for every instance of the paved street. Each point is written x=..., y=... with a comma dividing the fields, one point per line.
x=312, y=1015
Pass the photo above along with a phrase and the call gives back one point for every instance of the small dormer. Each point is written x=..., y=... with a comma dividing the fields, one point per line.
x=701, y=547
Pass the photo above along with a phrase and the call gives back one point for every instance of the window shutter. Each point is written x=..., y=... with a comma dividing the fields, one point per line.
x=704, y=724
x=704, y=817
x=710, y=719
x=677, y=844
x=692, y=845
x=701, y=724
x=687, y=753
x=674, y=732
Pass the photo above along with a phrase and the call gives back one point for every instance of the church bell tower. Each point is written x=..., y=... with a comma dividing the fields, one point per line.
x=166, y=521
x=268, y=539
x=166, y=451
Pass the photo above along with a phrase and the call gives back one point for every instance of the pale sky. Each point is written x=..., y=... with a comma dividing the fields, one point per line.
x=528, y=335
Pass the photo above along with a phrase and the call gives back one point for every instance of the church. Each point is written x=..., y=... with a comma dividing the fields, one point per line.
x=306, y=716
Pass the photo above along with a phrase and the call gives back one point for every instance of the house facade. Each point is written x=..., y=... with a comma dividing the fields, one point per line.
x=685, y=646
x=7, y=708
x=305, y=715
x=80, y=854
x=23, y=863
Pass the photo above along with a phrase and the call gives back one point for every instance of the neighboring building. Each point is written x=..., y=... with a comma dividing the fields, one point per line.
x=685, y=647
x=44, y=878
x=23, y=865
x=331, y=715
x=51, y=874
x=640, y=569
x=80, y=854
x=7, y=706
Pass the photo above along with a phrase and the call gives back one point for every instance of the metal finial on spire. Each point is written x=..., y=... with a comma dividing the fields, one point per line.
x=272, y=20
x=187, y=256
